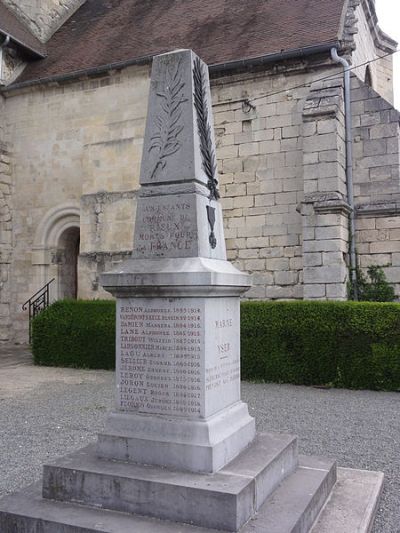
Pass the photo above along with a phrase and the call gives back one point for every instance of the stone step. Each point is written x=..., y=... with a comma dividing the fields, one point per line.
x=352, y=504
x=225, y=500
x=28, y=512
x=350, y=508
x=296, y=503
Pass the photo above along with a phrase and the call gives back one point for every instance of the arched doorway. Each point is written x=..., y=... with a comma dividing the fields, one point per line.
x=55, y=252
x=67, y=259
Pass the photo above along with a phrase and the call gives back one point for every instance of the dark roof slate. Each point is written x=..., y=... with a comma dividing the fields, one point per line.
x=11, y=25
x=105, y=32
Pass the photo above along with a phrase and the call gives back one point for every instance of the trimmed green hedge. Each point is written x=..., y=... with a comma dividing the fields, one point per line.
x=75, y=333
x=341, y=344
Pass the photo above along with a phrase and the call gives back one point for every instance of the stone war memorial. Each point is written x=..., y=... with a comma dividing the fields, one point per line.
x=179, y=452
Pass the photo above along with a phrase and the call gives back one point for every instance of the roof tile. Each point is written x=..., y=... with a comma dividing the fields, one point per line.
x=104, y=32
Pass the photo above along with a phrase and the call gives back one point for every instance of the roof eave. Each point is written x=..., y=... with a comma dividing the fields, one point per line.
x=215, y=67
x=38, y=54
x=296, y=53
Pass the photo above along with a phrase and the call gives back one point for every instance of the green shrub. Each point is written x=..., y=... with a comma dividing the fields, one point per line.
x=75, y=333
x=375, y=289
x=342, y=344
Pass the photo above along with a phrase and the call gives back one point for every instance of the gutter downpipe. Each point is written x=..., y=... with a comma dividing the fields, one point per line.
x=349, y=165
x=2, y=46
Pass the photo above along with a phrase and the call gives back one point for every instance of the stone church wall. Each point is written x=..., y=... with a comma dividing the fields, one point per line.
x=377, y=180
x=365, y=49
x=5, y=233
x=77, y=151
x=262, y=184
x=78, y=147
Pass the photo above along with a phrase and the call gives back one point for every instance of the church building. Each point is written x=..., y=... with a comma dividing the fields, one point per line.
x=307, y=140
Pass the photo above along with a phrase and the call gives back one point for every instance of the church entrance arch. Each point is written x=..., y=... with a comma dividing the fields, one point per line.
x=67, y=259
x=56, y=251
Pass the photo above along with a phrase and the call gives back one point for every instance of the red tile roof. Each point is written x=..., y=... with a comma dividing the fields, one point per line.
x=105, y=32
x=19, y=33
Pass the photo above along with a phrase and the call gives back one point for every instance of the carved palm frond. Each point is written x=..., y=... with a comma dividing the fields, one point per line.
x=166, y=139
x=204, y=128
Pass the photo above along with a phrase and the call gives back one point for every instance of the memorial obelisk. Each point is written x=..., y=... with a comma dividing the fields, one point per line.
x=179, y=450
x=178, y=346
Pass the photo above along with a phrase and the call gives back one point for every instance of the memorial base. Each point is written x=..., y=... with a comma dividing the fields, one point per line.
x=195, y=445
x=267, y=488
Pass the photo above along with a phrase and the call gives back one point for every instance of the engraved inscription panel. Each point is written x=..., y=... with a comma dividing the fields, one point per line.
x=166, y=227
x=159, y=363
x=222, y=353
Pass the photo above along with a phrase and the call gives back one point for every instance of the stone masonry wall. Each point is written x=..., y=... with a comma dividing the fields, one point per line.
x=89, y=148
x=366, y=49
x=80, y=167
x=325, y=209
x=260, y=153
x=377, y=180
x=281, y=163
x=43, y=17
x=5, y=234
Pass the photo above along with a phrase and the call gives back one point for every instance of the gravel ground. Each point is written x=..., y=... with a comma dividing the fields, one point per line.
x=360, y=429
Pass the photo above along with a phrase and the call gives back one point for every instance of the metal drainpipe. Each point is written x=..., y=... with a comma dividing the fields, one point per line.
x=2, y=46
x=349, y=165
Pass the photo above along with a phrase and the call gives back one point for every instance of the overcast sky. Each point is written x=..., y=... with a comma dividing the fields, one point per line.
x=389, y=21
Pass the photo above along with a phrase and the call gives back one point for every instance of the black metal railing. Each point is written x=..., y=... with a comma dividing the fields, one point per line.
x=37, y=303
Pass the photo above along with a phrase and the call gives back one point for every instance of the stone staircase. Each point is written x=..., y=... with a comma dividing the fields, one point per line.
x=268, y=488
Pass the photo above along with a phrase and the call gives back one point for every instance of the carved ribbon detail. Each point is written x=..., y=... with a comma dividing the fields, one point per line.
x=204, y=128
x=211, y=220
x=168, y=126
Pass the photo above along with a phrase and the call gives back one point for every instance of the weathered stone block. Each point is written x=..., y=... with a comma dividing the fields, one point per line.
x=278, y=264
x=374, y=147
x=376, y=104
x=384, y=222
x=250, y=231
x=249, y=149
x=381, y=131
x=265, y=200
x=335, y=245
x=320, y=143
x=284, y=240
x=290, y=131
x=331, y=232
x=243, y=201
x=384, y=247
x=365, y=223
x=336, y=291
x=314, y=292
x=286, y=278
x=312, y=259
x=254, y=264
x=332, y=258
x=393, y=274
x=378, y=259
x=309, y=129
x=232, y=165
x=325, y=274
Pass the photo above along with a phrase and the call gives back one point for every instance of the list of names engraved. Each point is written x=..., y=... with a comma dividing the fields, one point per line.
x=159, y=369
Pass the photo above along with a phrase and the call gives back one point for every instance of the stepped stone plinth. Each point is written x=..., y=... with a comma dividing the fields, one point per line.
x=179, y=452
